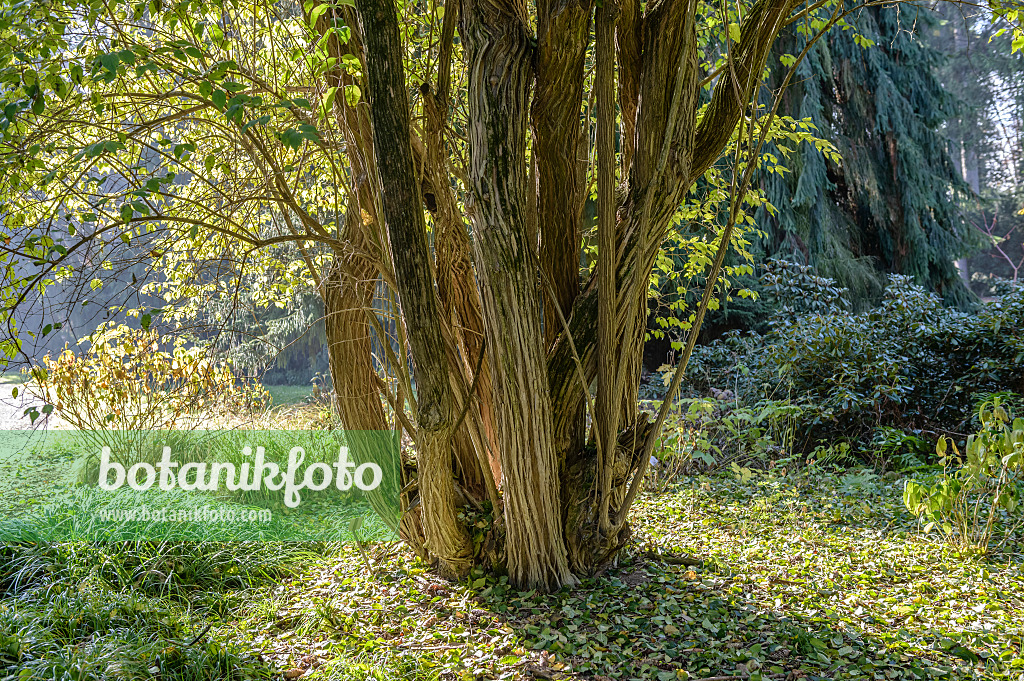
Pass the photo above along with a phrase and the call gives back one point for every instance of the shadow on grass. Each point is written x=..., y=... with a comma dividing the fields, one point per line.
x=644, y=620
x=651, y=620
x=131, y=610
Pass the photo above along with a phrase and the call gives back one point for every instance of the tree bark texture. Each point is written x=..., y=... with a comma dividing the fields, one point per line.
x=607, y=416
x=562, y=39
x=446, y=537
x=497, y=39
x=493, y=320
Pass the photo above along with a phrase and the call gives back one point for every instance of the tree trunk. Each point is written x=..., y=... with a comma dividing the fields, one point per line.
x=446, y=537
x=564, y=503
x=497, y=38
x=456, y=285
x=608, y=376
x=562, y=39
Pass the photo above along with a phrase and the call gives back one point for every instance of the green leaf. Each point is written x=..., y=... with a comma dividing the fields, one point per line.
x=316, y=13
x=328, y=100
x=352, y=94
x=219, y=99
x=262, y=120
x=965, y=654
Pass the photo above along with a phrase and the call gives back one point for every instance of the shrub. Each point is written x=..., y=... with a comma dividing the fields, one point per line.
x=977, y=491
x=910, y=364
x=127, y=380
x=795, y=291
x=712, y=433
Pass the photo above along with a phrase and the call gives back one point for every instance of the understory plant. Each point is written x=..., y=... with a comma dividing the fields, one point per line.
x=707, y=434
x=127, y=380
x=976, y=499
x=911, y=364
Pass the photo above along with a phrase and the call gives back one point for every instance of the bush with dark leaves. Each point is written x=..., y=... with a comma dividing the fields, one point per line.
x=910, y=363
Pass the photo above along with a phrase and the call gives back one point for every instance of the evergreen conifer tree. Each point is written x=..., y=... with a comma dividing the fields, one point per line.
x=892, y=204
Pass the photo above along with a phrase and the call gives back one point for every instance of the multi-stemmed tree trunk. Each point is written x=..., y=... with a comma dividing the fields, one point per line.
x=233, y=128
x=501, y=348
x=509, y=406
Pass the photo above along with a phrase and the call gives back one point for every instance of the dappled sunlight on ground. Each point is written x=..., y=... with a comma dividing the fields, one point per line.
x=807, y=576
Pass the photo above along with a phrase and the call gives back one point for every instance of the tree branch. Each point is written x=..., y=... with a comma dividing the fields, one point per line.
x=757, y=33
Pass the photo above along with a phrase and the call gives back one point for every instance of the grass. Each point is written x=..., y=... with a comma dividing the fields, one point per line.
x=288, y=394
x=41, y=499
x=13, y=378
x=130, y=610
x=810, y=575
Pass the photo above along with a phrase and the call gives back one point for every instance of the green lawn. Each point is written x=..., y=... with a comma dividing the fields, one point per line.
x=808, y=576
x=13, y=378
x=288, y=394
